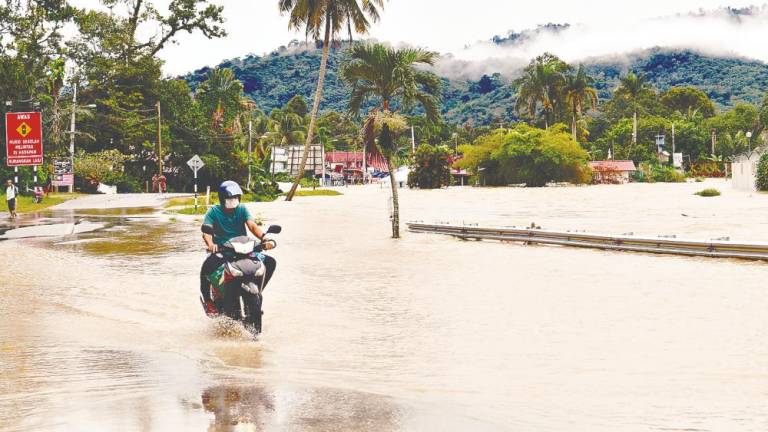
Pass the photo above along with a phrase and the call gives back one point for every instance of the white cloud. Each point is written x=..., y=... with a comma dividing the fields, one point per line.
x=715, y=33
x=605, y=27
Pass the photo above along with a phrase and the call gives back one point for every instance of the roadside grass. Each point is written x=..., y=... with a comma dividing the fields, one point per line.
x=190, y=210
x=317, y=192
x=26, y=204
x=190, y=201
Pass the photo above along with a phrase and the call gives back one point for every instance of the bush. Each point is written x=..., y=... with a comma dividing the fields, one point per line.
x=761, y=182
x=127, y=184
x=430, y=167
x=666, y=174
x=525, y=154
x=710, y=192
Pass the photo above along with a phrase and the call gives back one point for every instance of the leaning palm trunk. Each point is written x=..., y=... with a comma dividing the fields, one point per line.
x=315, y=107
x=395, y=204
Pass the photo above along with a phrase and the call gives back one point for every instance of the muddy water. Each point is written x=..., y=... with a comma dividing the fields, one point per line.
x=102, y=330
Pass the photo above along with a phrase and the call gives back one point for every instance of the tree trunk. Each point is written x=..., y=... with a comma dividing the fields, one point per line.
x=315, y=107
x=634, y=128
x=395, y=204
x=573, y=127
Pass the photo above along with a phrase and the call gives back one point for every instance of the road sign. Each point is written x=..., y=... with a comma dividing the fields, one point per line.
x=677, y=160
x=195, y=163
x=24, y=139
x=63, y=180
x=62, y=166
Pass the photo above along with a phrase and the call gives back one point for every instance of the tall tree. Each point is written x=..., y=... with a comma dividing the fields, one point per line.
x=329, y=17
x=394, y=77
x=579, y=95
x=541, y=85
x=632, y=87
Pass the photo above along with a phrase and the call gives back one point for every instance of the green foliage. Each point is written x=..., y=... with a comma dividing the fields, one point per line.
x=762, y=173
x=430, y=168
x=394, y=77
x=272, y=80
x=528, y=155
x=297, y=105
x=106, y=166
x=666, y=174
x=709, y=192
x=687, y=99
x=655, y=173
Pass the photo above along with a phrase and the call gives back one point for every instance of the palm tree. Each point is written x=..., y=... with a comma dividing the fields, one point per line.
x=632, y=87
x=312, y=16
x=288, y=126
x=541, y=84
x=579, y=95
x=391, y=76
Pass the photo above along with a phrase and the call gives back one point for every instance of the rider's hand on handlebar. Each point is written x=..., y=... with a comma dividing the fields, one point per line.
x=266, y=244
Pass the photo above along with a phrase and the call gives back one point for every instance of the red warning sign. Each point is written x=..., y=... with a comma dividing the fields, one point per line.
x=24, y=138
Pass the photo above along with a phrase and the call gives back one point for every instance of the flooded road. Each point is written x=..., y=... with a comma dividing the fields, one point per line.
x=103, y=330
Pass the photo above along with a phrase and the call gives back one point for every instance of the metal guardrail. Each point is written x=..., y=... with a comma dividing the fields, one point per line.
x=663, y=245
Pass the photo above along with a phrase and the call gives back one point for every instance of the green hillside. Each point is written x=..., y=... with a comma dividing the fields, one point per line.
x=273, y=79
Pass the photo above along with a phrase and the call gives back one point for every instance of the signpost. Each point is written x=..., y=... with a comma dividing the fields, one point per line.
x=195, y=163
x=24, y=139
x=62, y=173
x=677, y=160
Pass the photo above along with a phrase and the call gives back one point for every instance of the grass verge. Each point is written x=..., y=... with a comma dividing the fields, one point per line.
x=26, y=204
x=317, y=192
x=190, y=201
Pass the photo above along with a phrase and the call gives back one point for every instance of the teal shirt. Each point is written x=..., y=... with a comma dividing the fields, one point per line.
x=227, y=225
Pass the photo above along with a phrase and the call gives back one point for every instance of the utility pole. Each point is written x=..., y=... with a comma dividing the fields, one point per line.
x=322, y=160
x=413, y=141
x=364, y=167
x=159, y=146
x=72, y=137
x=714, y=140
x=250, y=133
x=673, y=145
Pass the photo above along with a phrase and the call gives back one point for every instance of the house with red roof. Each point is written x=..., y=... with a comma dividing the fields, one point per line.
x=612, y=171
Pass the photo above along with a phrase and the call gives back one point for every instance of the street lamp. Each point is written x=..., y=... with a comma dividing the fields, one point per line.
x=455, y=143
x=749, y=137
x=72, y=135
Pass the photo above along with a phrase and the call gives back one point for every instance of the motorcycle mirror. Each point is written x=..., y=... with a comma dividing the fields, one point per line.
x=274, y=229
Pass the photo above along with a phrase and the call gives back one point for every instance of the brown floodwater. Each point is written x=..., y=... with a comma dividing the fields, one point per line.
x=103, y=330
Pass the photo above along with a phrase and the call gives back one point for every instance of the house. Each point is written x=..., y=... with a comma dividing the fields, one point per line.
x=744, y=169
x=288, y=159
x=341, y=160
x=612, y=171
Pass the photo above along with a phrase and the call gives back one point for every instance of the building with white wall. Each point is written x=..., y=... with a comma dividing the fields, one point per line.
x=744, y=170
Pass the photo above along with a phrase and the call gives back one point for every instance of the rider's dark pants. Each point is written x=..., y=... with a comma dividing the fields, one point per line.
x=215, y=260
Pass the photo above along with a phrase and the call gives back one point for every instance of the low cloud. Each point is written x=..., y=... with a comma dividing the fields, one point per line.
x=723, y=32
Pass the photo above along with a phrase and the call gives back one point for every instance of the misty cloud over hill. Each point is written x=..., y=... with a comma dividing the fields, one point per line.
x=721, y=52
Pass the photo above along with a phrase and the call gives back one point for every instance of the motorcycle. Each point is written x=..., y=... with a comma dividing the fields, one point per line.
x=238, y=284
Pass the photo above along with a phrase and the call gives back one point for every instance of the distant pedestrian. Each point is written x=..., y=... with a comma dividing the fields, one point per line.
x=11, y=191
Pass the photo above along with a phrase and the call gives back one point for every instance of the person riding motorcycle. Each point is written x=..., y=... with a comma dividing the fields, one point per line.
x=227, y=220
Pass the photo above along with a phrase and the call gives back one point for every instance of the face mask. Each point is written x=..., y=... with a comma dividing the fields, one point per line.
x=231, y=203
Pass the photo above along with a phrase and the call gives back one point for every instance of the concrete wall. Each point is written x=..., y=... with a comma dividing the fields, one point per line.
x=745, y=173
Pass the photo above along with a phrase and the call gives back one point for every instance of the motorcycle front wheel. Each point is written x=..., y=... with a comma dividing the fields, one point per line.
x=252, y=305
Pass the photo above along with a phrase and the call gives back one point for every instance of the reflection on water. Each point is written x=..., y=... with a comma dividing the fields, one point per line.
x=104, y=331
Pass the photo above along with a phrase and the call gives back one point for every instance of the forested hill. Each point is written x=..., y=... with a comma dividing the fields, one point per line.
x=273, y=79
